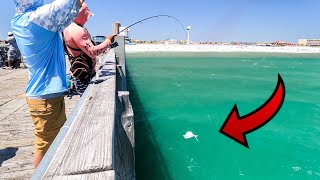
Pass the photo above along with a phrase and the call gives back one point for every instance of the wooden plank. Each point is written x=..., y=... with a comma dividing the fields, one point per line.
x=10, y=76
x=16, y=129
x=124, y=162
x=10, y=107
x=17, y=162
x=98, y=137
x=91, y=145
x=120, y=53
x=86, y=144
x=127, y=119
x=121, y=79
x=105, y=175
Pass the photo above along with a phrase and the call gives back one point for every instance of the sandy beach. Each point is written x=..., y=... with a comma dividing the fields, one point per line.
x=218, y=48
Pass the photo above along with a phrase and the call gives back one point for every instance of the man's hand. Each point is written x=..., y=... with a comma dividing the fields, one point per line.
x=79, y=2
x=111, y=38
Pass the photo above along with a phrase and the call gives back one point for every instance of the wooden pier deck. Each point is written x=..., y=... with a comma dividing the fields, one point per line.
x=97, y=141
x=16, y=127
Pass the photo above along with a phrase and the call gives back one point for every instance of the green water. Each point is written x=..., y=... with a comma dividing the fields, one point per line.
x=173, y=93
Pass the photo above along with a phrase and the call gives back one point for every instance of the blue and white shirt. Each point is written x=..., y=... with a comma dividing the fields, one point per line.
x=12, y=43
x=37, y=29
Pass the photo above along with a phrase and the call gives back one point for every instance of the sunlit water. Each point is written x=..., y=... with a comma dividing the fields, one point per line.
x=173, y=93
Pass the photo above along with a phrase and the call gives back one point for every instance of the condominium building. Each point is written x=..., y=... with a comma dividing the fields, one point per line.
x=309, y=42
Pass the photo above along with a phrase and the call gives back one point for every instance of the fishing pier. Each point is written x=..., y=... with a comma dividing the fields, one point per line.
x=97, y=141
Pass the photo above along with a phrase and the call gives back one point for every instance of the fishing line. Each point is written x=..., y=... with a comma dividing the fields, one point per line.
x=157, y=16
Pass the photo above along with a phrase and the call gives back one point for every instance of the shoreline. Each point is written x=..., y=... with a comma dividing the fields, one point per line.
x=138, y=48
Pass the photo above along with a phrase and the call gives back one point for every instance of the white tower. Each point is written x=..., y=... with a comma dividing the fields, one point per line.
x=188, y=29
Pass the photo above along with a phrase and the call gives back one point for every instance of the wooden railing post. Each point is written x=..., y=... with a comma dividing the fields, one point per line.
x=116, y=27
x=121, y=60
x=124, y=161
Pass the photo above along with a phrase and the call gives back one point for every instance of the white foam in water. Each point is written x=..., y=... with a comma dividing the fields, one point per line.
x=189, y=135
x=296, y=168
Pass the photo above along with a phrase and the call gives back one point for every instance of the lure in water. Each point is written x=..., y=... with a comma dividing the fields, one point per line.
x=189, y=135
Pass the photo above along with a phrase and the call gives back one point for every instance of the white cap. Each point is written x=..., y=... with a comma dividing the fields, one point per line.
x=10, y=33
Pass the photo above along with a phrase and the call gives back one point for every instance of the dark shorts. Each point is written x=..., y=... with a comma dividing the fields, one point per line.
x=81, y=86
x=13, y=55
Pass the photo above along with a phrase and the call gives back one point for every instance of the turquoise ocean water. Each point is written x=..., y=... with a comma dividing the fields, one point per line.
x=173, y=93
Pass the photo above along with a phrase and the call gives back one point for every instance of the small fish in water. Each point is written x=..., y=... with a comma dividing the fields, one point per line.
x=189, y=135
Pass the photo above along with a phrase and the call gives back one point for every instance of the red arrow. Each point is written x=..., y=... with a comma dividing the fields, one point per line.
x=236, y=127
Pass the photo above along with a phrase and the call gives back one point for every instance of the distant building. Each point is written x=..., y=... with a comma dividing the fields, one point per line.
x=98, y=39
x=309, y=42
x=282, y=43
x=171, y=41
x=263, y=44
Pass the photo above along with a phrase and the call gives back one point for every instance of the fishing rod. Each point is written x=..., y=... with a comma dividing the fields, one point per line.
x=151, y=17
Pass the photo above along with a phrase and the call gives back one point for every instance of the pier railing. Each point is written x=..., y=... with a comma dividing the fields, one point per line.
x=97, y=141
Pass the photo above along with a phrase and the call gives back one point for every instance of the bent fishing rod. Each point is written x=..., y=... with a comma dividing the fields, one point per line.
x=151, y=17
x=115, y=44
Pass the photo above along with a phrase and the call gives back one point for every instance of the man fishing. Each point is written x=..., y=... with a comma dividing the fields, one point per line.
x=81, y=51
x=37, y=29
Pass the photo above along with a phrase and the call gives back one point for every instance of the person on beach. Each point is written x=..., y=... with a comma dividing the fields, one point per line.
x=81, y=51
x=13, y=52
x=37, y=29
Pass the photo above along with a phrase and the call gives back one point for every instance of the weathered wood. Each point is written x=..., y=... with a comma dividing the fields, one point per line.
x=11, y=107
x=121, y=79
x=124, y=138
x=98, y=137
x=121, y=55
x=116, y=26
x=17, y=164
x=127, y=119
x=11, y=75
x=106, y=175
x=86, y=145
x=16, y=127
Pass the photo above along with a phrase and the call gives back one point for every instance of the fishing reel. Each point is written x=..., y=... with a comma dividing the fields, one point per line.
x=113, y=45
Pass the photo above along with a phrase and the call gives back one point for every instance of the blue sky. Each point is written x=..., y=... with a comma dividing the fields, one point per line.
x=211, y=20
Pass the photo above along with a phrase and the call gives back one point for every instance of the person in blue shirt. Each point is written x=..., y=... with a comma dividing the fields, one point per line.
x=37, y=28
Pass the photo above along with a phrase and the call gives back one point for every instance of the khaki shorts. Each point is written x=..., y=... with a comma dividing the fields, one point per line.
x=48, y=117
